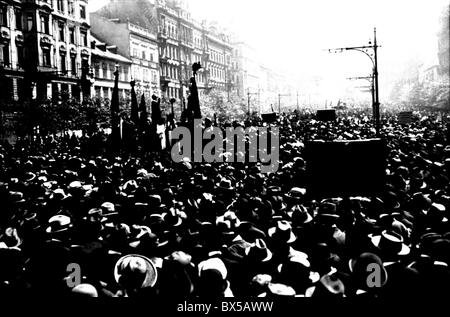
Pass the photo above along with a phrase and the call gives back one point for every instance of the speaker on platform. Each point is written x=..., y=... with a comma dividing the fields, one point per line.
x=326, y=115
x=346, y=168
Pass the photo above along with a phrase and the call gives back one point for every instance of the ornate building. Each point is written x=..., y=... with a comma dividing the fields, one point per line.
x=45, y=47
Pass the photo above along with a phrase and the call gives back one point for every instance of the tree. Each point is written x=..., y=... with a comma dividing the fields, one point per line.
x=216, y=102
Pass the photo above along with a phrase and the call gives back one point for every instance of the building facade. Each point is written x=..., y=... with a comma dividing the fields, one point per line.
x=105, y=59
x=45, y=47
x=135, y=43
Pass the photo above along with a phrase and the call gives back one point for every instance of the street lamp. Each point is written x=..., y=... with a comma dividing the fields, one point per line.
x=374, y=59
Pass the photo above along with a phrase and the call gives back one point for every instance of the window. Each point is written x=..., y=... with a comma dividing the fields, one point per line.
x=44, y=24
x=18, y=20
x=105, y=71
x=72, y=35
x=82, y=11
x=73, y=64
x=3, y=16
x=46, y=57
x=60, y=5
x=5, y=52
x=125, y=73
x=71, y=7
x=61, y=31
x=151, y=57
x=143, y=55
x=84, y=39
x=63, y=63
x=20, y=56
x=29, y=22
x=135, y=52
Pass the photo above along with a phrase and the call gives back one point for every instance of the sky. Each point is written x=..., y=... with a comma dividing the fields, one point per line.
x=294, y=35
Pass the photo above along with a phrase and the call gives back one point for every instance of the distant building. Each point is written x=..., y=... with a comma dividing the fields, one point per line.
x=45, y=48
x=104, y=61
x=135, y=43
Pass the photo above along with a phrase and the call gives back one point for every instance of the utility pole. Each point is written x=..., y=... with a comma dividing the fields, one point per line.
x=298, y=107
x=374, y=59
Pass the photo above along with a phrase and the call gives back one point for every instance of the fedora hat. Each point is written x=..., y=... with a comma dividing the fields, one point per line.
x=299, y=215
x=328, y=285
x=282, y=232
x=230, y=219
x=258, y=252
x=58, y=194
x=296, y=193
x=11, y=238
x=58, y=224
x=225, y=185
x=278, y=290
x=135, y=272
x=173, y=217
x=390, y=242
x=108, y=209
x=85, y=290
x=16, y=197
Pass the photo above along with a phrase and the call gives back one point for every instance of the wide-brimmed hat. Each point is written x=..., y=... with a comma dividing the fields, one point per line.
x=300, y=215
x=328, y=285
x=279, y=290
x=230, y=219
x=282, y=232
x=258, y=252
x=11, y=238
x=390, y=242
x=225, y=185
x=296, y=193
x=58, y=224
x=16, y=197
x=108, y=209
x=85, y=290
x=58, y=194
x=173, y=217
x=135, y=272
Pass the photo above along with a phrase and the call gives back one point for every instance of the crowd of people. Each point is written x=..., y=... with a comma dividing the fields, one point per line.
x=78, y=221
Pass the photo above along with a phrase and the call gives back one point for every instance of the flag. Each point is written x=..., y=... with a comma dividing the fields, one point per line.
x=143, y=110
x=115, y=120
x=134, y=105
x=193, y=99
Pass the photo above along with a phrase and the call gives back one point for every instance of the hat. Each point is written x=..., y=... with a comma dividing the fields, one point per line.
x=213, y=264
x=135, y=272
x=11, y=238
x=59, y=223
x=258, y=251
x=85, y=290
x=225, y=184
x=278, y=289
x=58, y=194
x=173, y=217
x=299, y=214
x=296, y=193
x=390, y=242
x=230, y=219
x=360, y=268
x=16, y=197
x=282, y=232
x=329, y=285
